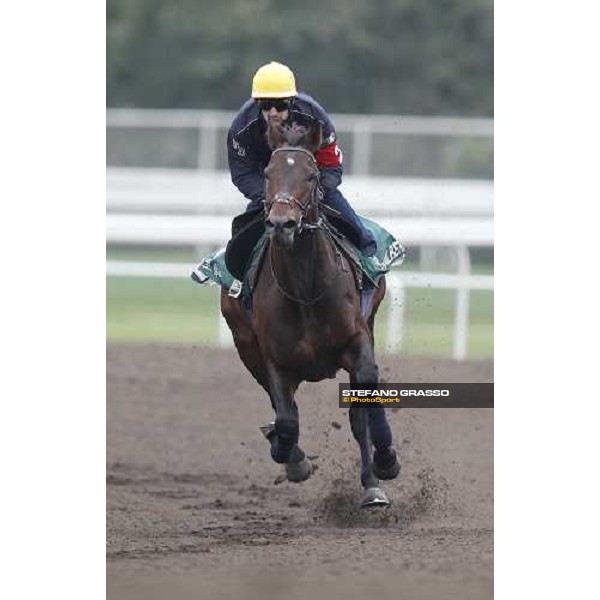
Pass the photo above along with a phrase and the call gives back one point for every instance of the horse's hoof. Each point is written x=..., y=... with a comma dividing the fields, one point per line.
x=300, y=471
x=386, y=467
x=374, y=497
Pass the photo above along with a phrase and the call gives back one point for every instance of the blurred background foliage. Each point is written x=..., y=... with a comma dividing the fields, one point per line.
x=422, y=57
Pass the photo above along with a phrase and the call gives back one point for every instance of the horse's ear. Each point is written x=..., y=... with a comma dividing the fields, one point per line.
x=275, y=136
x=314, y=138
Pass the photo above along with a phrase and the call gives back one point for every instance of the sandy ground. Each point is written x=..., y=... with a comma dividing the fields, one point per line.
x=196, y=508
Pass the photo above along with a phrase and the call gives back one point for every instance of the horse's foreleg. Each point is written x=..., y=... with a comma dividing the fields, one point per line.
x=244, y=338
x=385, y=463
x=360, y=431
x=284, y=444
x=369, y=423
x=359, y=361
x=281, y=390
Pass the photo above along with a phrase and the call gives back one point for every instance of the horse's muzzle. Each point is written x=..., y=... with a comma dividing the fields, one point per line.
x=282, y=229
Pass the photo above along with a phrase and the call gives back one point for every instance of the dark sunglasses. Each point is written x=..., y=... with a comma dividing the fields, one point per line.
x=278, y=105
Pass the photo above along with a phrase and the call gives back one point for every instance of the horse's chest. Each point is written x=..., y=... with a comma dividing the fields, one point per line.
x=309, y=348
x=307, y=338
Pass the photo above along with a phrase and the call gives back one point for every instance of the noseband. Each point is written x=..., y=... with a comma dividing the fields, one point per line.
x=285, y=198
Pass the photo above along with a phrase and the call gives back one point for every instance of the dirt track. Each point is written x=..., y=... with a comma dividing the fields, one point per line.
x=195, y=507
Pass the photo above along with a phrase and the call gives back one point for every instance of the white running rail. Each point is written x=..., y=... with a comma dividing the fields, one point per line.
x=397, y=281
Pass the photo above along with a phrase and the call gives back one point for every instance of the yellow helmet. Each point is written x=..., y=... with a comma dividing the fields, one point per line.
x=274, y=81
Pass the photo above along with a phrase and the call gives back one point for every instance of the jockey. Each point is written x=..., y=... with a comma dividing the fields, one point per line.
x=275, y=100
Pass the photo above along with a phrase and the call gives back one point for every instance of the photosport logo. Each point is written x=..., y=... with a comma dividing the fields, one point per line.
x=418, y=395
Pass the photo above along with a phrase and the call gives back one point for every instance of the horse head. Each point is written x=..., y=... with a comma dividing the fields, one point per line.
x=292, y=178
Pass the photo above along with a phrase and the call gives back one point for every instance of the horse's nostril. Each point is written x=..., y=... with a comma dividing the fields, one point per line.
x=279, y=224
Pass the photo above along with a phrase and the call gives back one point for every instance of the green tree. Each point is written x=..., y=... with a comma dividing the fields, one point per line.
x=381, y=56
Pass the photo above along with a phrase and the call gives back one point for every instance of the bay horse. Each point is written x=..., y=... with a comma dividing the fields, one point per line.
x=305, y=323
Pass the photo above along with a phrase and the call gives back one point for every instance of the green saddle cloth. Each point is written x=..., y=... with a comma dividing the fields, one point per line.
x=212, y=269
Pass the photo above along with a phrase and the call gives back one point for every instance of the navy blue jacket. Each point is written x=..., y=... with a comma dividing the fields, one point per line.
x=249, y=154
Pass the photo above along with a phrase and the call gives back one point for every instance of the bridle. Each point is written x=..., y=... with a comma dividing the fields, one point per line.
x=316, y=195
x=289, y=199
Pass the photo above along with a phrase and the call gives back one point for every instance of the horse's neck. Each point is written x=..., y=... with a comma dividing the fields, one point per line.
x=305, y=268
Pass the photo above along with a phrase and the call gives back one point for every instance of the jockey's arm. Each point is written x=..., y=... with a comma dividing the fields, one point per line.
x=329, y=161
x=245, y=170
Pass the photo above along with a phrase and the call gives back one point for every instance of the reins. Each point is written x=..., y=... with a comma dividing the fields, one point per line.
x=327, y=285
